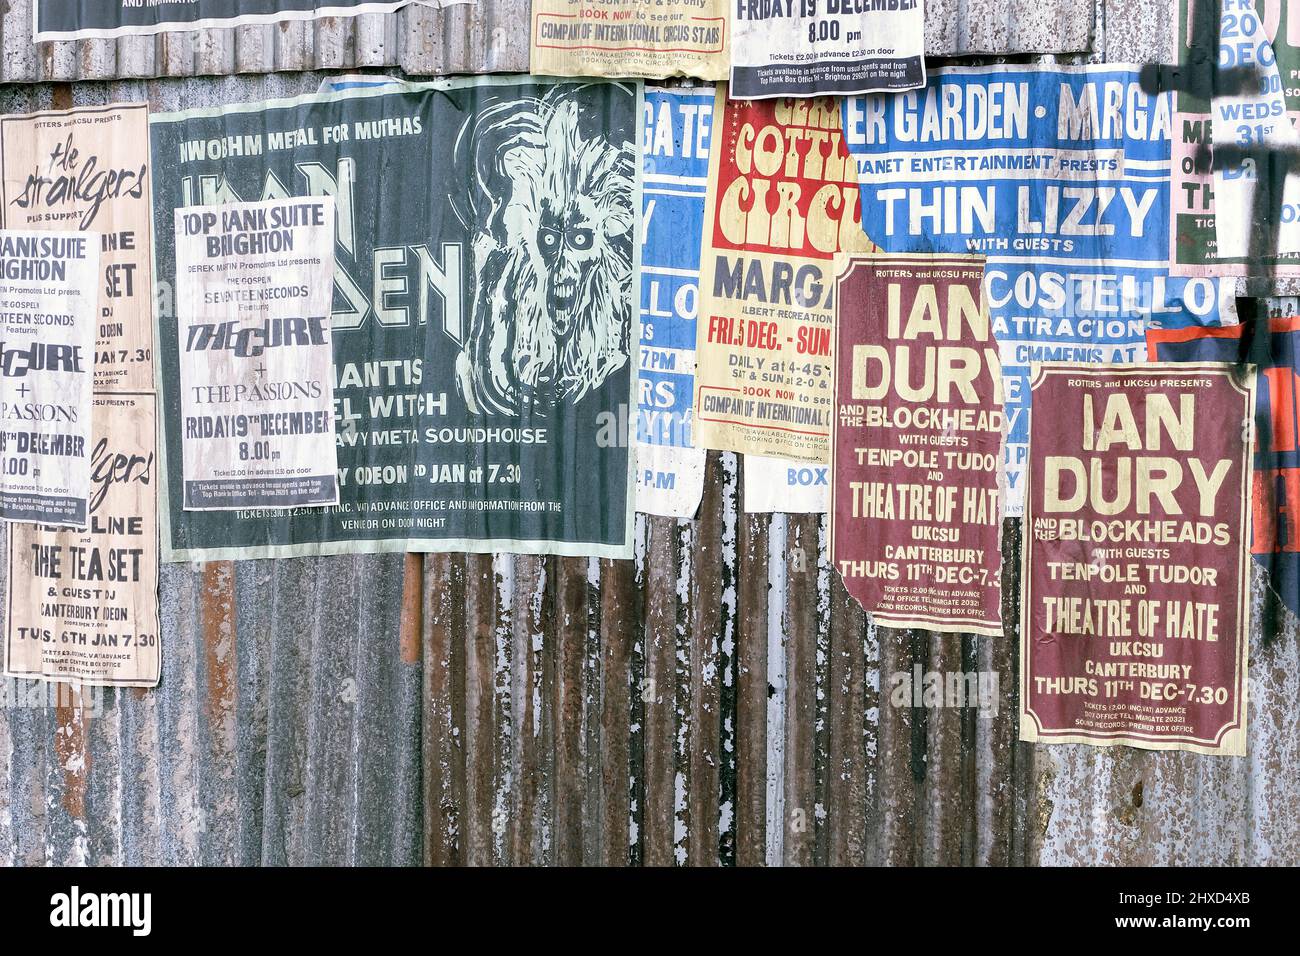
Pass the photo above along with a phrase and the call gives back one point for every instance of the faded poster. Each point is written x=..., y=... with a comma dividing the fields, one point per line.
x=88, y=169
x=89, y=19
x=1059, y=175
x=83, y=605
x=485, y=250
x=826, y=47
x=678, y=135
x=1235, y=138
x=253, y=296
x=1275, y=493
x=783, y=201
x=916, y=454
x=47, y=341
x=1135, y=573
x=785, y=487
x=647, y=38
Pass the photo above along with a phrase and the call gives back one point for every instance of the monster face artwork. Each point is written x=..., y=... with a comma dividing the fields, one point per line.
x=553, y=223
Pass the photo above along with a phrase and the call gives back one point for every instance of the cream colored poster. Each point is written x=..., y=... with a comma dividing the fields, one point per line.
x=88, y=170
x=82, y=605
x=649, y=38
x=783, y=201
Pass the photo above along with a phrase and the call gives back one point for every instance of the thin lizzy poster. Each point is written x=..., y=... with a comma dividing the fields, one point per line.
x=485, y=253
x=253, y=284
x=47, y=340
x=1135, y=569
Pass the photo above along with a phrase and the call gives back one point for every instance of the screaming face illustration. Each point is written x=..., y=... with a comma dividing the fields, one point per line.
x=553, y=218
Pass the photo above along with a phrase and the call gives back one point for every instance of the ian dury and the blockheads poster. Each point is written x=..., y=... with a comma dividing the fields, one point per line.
x=825, y=47
x=83, y=604
x=1135, y=567
x=87, y=169
x=916, y=454
x=614, y=38
x=1059, y=175
x=679, y=133
x=47, y=353
x=254, y=289
x=783, y=202
x=91, y=19
x=483, y=302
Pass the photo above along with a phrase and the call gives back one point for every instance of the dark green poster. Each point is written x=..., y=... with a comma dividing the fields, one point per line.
x=485, y=250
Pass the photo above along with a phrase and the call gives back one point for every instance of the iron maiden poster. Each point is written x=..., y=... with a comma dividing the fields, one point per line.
x=47, y=341
x=783, y=202
x=678, y=135
x=1060, y=177
x=826, y=47
x=253, y=291
x=916, y=454
x=1275, y=493
x=484, y=257
x=1236, y=105
x=87, y=169
x=649, y=38
x=83, y=604
x=1135, y=573
x=89, y=19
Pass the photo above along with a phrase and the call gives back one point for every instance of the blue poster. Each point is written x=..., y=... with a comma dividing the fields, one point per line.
x=678, y=131
x=1060, y=176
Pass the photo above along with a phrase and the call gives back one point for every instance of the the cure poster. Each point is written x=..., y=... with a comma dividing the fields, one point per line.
x=1275, y=496
x=783, y=201
x=1135, y=571
x=254, y=284
x=47, y=354
x=648, y=38
x=916, y=455
x=1236, y=196
x=87, y=19
x=826, y=47
x=485, y=253
x=1060, y=177
x=83, y=605
x=678, y=135
x=87, y=170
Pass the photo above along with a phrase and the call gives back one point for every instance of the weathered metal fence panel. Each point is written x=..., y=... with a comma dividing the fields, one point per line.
x=718, y=700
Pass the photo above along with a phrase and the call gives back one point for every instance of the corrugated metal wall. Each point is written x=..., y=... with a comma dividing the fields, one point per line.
x=718, y=700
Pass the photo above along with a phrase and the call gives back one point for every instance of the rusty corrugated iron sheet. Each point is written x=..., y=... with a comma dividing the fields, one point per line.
x=487, y=36
x=718, y=700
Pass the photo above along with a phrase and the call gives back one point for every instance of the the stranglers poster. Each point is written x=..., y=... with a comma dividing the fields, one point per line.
x=88, y=169
x=89, y=19
x=1275, y=496
x=783, y=201
x=485, y=255
x=47, y=339
x=1136, y=578
x=253, y=296
x=648, y=38
x=83, y=604
x=916, y=454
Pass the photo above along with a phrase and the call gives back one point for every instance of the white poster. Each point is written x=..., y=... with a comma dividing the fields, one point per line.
x=787, y=486
x=825, y=47
x=49, y=286
x=254, y=282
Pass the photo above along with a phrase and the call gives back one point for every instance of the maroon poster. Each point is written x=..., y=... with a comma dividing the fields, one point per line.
x=1135, y=567
x=917, y=444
